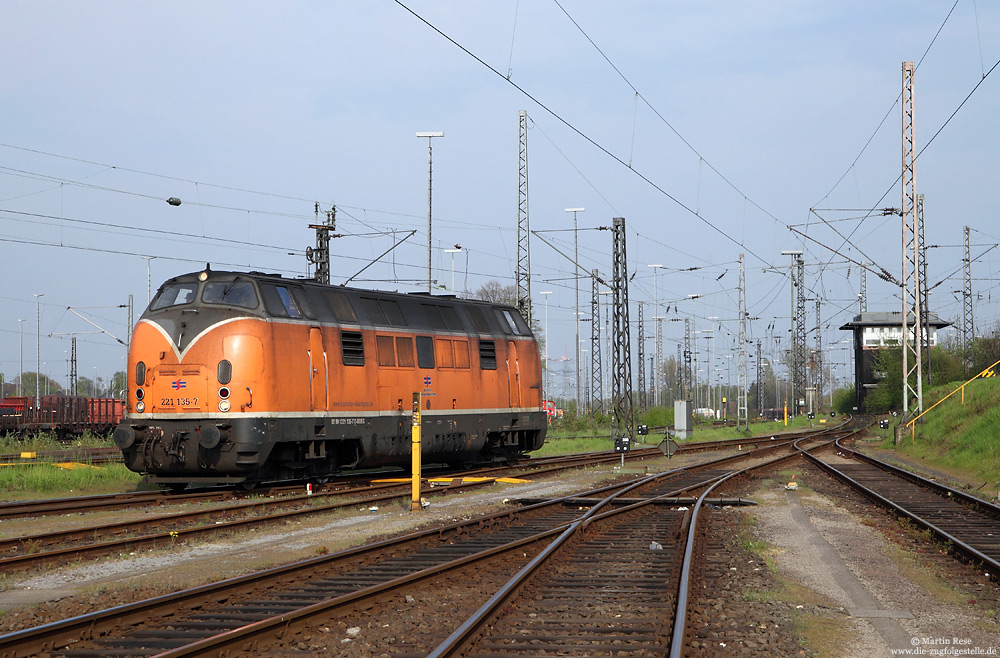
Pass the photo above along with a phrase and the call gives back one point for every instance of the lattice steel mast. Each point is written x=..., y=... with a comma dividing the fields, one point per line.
x=913, y=397
x=818, y=359
x=523, y=293
x=641, y=361
x=968, y=324
x=799, y=334
x=760, y=383
x=687, y=383
x=742, y=415
x=925, y=336
x=596, y=376
x=623, y=423
x=320, y=256
x=863, y=295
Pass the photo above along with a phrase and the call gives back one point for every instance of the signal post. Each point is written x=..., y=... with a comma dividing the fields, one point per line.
x=415, y=505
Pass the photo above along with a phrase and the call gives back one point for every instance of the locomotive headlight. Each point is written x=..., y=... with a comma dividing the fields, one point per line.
x=223, y=405
x=140, y=406
x=139, y=394
x=203, y=276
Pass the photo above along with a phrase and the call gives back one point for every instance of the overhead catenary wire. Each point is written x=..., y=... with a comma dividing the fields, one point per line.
x=593, y=142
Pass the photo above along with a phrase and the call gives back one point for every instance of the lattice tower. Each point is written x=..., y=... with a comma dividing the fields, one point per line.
x=742, y=415
x=523, y=293
x=641, y=361
x=912, y=352
x=623, y=422
x=968, y=324
x=799, y=334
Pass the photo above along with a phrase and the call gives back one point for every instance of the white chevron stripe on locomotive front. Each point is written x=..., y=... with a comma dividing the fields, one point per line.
x=180, y=354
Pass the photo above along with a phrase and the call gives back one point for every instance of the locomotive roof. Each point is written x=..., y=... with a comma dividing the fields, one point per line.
x=398, y=311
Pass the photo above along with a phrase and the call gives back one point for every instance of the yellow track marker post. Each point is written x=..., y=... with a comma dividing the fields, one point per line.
x=415, y=451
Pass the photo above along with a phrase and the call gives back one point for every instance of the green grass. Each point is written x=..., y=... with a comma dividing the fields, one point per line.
x=47, y=442
x=47, y=480
x=583, y=435
x=960, y=438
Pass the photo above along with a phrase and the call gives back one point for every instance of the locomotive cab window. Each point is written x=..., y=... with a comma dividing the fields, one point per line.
x=291, y=309
x=233, y=293
x=512, y=322
x=174, y=294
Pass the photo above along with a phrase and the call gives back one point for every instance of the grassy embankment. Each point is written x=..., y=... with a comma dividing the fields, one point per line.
x=961, y=440
x=44, y=480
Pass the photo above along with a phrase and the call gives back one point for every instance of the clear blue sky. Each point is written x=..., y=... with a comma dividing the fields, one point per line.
x=747, y=116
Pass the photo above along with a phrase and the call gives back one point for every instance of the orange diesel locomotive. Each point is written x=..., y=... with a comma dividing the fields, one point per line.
x=243, y=377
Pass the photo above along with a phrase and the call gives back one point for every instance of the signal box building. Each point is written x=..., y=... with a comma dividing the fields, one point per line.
x=874, y=331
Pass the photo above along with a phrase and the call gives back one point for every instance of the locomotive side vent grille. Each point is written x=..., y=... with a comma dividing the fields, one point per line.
x=487, y=355
x=352, y=348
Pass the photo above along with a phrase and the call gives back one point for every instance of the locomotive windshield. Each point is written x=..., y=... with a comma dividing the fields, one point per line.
x=234, y=293
x=174, y=294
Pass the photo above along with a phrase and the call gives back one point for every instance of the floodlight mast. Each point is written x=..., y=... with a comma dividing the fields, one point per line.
x=430, y=179
x=576, y=303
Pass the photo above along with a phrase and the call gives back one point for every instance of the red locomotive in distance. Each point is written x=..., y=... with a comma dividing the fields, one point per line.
x=244, y=377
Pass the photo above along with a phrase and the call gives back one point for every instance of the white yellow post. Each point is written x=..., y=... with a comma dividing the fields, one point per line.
x=415, y=451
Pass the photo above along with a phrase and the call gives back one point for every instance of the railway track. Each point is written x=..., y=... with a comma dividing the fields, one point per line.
x=968, y=525
x=163, y=530
x=286, y=604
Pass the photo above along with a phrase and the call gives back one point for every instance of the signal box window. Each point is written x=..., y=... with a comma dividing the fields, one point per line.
x=174, y=295
x=233, y=293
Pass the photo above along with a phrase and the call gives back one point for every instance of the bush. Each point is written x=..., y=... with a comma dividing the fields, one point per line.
x=843, y=400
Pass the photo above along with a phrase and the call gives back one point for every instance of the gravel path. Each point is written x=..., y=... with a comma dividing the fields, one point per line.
x=827, y=548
